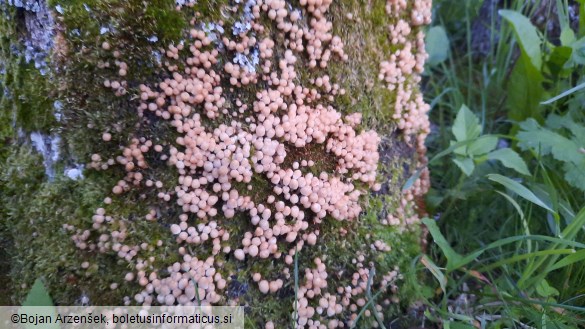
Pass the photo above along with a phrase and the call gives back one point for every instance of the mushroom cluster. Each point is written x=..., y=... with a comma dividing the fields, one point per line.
x=318, y=309
x=242, y=112
x=401, y=72
x=190, y=281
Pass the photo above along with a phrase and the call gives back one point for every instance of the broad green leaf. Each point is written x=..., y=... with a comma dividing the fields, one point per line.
x=519, y=189
x=437, y=45
x=559, y=60
x=574, y=124
x=569, y=150
x=525, y=91
x=38, y=295
x=466, y=125
x=453, y=258
x=578, y=56
x=465, y=164
x=482, y=145
x=545, y=290
x=510, y=159
x=547, y=141
x=574, y=175
x=526, y=35
x=567, y=36
x=461, y=151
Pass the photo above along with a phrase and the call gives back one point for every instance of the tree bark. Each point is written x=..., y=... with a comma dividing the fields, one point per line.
x=188, y=138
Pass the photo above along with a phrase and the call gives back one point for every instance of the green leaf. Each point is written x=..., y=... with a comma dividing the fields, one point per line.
x=559, y=60
x=525, y=84
x=482, y=145
x=465, y=164
x=519, y=211
x=437, y=45
x=466, y=125
x=567, y=150
x=567, y=36
x=510, y=159
x=575, y=175
x=549, y=142
x=451, y=149
x=526, y=35
x=575, y=125
x=453, y=258
x=519, y=189
x=578, y=56
x=435, y=271
x=38, y=295
x=545, y=290
x=525, y=91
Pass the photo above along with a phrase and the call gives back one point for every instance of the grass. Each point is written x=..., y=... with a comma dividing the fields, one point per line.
x=500, y=251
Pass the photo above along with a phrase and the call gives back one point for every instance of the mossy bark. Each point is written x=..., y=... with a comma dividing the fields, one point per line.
x=70, y=100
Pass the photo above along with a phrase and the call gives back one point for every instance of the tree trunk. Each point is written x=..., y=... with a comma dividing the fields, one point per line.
x=215, y=151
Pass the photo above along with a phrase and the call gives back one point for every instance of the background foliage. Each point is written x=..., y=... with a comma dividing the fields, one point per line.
x=509, y=165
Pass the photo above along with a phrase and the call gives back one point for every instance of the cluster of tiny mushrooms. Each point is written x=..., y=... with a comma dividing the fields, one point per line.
x=251, y=139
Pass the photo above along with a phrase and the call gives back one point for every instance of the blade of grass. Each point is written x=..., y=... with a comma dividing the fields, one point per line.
x=295, y=317
x=567, y=236
x=369, y=302
x=520, y=257
x=435, y=271
x=519, y=189
x=369, y=295
x=564, y=94
x=578, y=256
x=453, y=257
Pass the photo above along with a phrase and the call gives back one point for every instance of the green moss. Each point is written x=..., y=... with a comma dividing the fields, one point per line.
x=128, y=22
x=42, y=247
x=211, y=10
x=365, y=91
x=20, y=176
x=26, y=98
x=36, y=211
